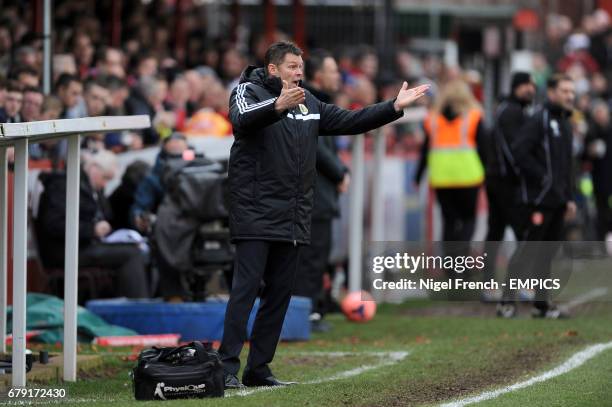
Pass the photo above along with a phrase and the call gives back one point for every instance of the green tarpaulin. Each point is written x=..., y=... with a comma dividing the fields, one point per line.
x=46, y=313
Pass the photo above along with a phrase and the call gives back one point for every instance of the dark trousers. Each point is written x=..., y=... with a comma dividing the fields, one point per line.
x=126, y=260
x=533, y=256
x=603, y=203
x=276, y=263
x=170, y=279
x=313, y=263
x=458, y=207
x=503, y=212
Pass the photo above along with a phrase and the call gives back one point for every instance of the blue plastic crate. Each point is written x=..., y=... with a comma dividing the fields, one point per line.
x=193, y=320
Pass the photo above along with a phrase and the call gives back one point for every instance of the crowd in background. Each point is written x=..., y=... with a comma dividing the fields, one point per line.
x=187, y=90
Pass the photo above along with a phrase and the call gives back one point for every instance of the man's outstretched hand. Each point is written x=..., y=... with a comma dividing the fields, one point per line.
x=407, y=96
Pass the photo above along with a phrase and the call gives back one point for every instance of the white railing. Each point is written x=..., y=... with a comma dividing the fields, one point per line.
x=19, y=135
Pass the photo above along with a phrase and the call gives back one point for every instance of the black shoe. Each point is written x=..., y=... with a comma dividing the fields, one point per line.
x=232, y=382
x=507, y=310
x=251, y=380
x=552, y=312
x=320, y=326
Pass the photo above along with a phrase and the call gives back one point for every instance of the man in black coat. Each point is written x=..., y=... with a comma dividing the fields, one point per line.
x=272, y=169
x=598, y=152
x=94, y=214
x=543, y=149
x=502, y=168
x=332, y=177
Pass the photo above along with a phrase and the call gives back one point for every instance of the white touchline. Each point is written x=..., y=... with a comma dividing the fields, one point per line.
x=387, y=358
x=577, y=360
x=584, y=298
x=66, y=400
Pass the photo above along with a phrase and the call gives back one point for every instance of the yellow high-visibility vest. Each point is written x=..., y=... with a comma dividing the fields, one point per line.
x=453, y=160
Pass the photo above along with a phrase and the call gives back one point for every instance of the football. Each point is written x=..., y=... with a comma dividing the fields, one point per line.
x=359, y=306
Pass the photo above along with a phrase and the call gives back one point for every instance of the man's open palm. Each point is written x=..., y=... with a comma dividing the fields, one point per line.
x=406, y=96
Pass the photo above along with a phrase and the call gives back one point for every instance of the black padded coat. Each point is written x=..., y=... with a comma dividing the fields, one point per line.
x=272, y=161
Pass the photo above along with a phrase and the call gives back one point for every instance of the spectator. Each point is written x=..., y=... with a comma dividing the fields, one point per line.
x=27, y=56
x=577, y=54
x=598, y=152
x=51, y=108
x=600, y=30
x=122, y=198
x=2, y=91
x=12, y=103
x=146, y=65
x=31, y=108
x=69, y=89
x=558, y=27
x=177, y=100
x=126, y=260
x=366, y=63
x=54, y=149
x=232, y=65
x=26, y=76
x=110, y=61
x=147, y=200
x=150, y=190
x=599, y=86
x=362, y=92
x=212, y=118
x=83, y=51
x=97, y=97
x=6, y=44
x=196, y=89
x=63, y=64
x=119, y=92
x=147, y=98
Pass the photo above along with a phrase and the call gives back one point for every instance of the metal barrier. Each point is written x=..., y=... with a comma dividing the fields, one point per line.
x=19, y=135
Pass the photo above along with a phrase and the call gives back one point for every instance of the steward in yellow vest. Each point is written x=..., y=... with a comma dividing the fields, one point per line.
x=453, y=158
x=455, y=136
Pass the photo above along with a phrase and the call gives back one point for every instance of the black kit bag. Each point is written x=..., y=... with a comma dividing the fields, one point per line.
x=190, y=371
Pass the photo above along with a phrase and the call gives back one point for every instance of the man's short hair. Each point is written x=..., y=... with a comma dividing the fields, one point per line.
x=556, y=79
x=100, y=54
x=32, y=89
x=91, y=82
x=23, y=69
x=14, y=86
x=65, y=80
x=112, y=82
x=277, y=51
x=314, y=63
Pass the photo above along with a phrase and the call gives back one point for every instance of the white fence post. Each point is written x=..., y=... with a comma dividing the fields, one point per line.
x=71, y=265
x=18, y=135
x=356, y=213
x=20, y=272
x=3, y=248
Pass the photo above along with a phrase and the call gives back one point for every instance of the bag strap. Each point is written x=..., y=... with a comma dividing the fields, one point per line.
x=201, y=352
x=197, y=345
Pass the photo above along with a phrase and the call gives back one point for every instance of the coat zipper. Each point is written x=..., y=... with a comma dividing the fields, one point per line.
x=297, y=192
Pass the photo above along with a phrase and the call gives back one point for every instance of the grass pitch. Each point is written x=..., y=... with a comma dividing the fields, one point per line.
x=447, y=351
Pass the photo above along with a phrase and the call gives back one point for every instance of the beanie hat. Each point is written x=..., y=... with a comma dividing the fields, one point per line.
x=520, y=78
